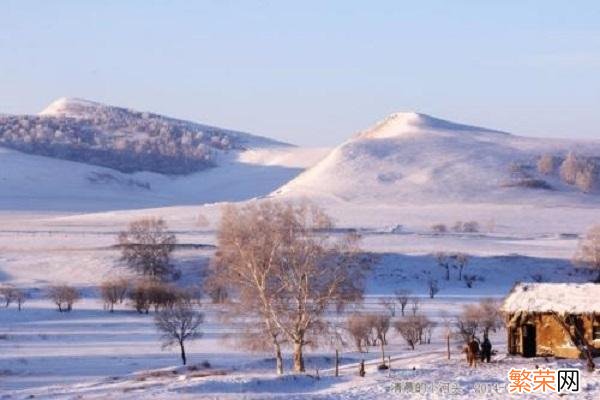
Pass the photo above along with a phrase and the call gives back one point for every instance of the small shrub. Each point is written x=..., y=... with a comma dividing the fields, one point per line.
x=439, y=228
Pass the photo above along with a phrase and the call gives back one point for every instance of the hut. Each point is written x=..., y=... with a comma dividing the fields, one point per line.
x=553, y=319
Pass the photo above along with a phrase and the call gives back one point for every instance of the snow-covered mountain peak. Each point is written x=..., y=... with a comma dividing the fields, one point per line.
x=71, y=107
x=403, y=124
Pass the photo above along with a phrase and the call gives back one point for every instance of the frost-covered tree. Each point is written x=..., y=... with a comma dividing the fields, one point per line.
x=285, y=270
x=569, y=168
x=588, y=251
x=547, y=164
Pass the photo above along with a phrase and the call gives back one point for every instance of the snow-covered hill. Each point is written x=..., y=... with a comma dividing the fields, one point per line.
x=79, y=155
x=122, y=139
x=415, y=158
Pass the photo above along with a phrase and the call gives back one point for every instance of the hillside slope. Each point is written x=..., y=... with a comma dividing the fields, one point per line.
x=122, y=139
x=415, y=158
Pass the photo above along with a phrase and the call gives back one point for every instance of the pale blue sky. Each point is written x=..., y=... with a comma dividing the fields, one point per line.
x=312, y=72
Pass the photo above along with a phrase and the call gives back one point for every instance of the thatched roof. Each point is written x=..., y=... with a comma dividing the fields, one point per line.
x=562, y=298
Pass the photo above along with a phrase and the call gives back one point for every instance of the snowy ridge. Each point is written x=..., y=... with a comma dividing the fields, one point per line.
x=407, y=123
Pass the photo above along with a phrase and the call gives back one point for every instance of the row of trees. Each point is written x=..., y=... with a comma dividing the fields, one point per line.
x=10, y=294
x=459, y=227
x=160, y=144
x=579, y=171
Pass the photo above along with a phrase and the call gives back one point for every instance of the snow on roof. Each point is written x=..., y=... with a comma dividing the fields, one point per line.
x=576, y=298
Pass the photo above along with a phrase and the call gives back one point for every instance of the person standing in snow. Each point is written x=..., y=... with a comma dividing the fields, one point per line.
x=486, y=349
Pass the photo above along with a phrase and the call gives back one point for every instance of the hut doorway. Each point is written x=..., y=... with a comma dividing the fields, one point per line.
x=528, y=335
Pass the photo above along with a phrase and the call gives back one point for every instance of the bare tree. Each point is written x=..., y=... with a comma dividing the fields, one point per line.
x=21, y=297
x=432, y=287
x=428, y=326
x=409, y=329
x=461, y=261
x=64, y=296
x=402, y=296
x=381, y=325
x=588, y=252
x=178, y=324
x=389, y=304
x=470, y=227
x=439, y=228
x=140, y=296
x=444, y=261
x=285, y=270
x=484, y=316
x=8, y=294
x=113, y=291
x=491, y=318
x=162, y=295
x=147, y=246
x=573, y=326
x=415, y=304
x=358, y=327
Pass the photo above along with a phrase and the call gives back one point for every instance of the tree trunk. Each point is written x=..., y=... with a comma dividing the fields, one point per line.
x=448, y=273
x=337, y=362
x=460, y=273
x=448, y=345
x=183, y=357
x=278, y=358
x=579, y=340
x=382, y=353
x=298, y=357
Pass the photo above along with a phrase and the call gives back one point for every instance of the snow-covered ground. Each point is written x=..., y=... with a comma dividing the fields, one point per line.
x=58, y=226
x=36, y=183
x=95, y=354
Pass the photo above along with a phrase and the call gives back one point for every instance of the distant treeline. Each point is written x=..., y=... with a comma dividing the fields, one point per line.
x=117, y=138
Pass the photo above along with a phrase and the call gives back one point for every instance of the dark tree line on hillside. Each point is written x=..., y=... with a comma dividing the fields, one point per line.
x=118, y=139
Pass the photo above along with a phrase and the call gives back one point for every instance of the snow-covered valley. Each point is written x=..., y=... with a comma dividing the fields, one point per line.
x=392, y=184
